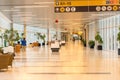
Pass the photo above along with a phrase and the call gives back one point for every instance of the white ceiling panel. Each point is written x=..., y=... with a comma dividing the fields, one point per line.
x=40, y=13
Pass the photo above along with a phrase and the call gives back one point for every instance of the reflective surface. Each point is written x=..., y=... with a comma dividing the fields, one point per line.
x=73, y=62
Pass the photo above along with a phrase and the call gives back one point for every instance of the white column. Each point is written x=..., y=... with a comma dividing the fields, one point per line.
x=48, y=35
x=25, y=31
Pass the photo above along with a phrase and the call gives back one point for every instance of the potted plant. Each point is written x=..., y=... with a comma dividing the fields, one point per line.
x=118, y=39
x=37, y=34
x=99, y=40
x=42, y=36
x=55, y=36
x=11, y=36
x=91, y=43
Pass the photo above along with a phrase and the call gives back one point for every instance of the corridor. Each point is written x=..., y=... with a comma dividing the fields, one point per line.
x=73, y=62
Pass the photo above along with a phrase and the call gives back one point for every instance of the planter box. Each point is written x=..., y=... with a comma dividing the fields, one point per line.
x=99, y=47
x=84, y=45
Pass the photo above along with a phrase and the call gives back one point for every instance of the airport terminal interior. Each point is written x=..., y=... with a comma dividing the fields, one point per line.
x=61, y=42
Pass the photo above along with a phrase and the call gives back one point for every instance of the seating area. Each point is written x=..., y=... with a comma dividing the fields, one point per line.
x=6, y=60
x=6, y=57
x=55, y=46
x=35, y=44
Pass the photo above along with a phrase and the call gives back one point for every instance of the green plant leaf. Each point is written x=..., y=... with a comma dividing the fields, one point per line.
x=11, y=36
x=118, y=37
x=91, y=43
x=98, y=38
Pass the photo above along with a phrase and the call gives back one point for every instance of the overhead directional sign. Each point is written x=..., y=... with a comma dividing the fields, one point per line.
x=86, y=5
x=79, y=2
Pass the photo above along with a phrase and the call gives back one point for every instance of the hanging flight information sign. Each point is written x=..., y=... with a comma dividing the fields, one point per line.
x=79, y=2
x=86, y=5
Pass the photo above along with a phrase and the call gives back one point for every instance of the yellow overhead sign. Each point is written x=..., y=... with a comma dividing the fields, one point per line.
x=59, y=3
x=86, y=5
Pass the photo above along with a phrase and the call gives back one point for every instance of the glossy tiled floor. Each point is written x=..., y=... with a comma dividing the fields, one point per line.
x=73, y=62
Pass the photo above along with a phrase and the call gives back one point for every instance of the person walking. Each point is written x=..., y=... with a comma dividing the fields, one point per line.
x=23, y=43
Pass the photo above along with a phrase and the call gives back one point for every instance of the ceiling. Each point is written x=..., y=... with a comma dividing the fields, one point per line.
x=40, y=13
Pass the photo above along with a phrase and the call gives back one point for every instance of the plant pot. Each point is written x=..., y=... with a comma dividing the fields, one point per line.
x=39, y=44
x=91, y=43
x=92, y=47
x=99, y=47
x=84, y=45
x=43, y=44
x=118, y=51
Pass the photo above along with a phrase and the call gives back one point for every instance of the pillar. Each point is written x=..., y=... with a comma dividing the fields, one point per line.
x=25, y=31
x=56, y=35
x=57, y=32
x=48, y=36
